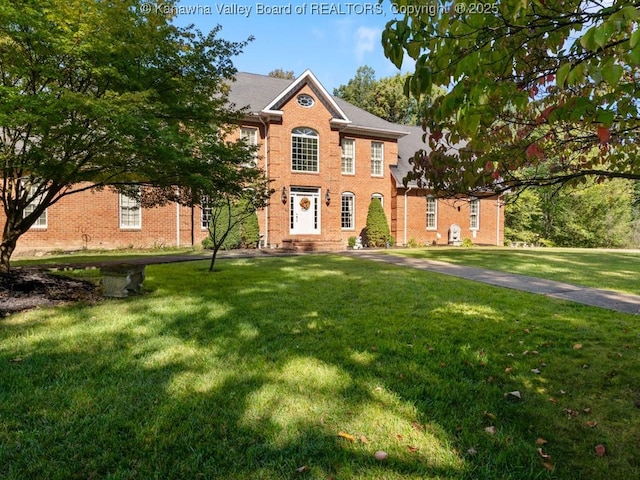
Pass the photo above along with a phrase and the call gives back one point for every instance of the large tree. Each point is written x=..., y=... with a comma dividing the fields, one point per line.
x=383, y=97
x=100, y=94
x=538, y=92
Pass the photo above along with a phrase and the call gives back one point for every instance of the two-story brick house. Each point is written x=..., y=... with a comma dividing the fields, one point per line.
x=327, y=160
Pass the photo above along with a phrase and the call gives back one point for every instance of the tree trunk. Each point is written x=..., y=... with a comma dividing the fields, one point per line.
x=10, y=236
x=213, y=257
x=7, y=247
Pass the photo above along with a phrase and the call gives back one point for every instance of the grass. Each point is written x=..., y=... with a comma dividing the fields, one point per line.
x=613, y=270
x=254, y=372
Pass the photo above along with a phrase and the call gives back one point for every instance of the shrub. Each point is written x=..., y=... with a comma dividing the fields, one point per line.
x=412, y=243
x=467, y=242
x=377, y=231
x=351, y=242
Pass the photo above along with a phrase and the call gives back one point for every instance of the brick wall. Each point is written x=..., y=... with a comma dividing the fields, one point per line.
x=91, y=219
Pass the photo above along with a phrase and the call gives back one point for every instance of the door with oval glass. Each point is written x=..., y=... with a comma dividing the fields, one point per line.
x=304, y=211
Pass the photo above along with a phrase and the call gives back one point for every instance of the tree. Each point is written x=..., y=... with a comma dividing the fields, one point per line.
x=111, y=94
x=280, y=73
x=384, y=97
x=550, y=85
x=591, y=215
x=377, y=229
x=243, y=234
x=230, y=212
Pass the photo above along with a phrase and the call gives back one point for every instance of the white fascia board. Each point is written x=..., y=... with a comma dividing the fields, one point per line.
x=307, y=75
x=375, y=131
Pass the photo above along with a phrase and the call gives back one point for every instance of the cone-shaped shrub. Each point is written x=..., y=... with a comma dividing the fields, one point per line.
x=377, y=232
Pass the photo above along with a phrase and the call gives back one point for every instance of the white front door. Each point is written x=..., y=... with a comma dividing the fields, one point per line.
x=304, y=211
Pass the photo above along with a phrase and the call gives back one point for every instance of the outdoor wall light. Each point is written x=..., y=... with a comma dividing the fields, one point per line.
x=283, y=197
x=327, y=197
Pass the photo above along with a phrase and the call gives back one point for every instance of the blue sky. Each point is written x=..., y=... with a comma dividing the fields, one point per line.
x=331, y=38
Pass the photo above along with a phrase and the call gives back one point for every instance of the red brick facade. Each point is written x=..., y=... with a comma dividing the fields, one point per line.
x=92, y=219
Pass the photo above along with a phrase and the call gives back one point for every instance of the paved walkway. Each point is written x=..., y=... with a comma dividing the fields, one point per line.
x=616, y=301
x=619, y=302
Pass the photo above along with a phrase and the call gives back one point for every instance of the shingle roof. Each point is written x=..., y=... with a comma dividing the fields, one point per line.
x=256, y=92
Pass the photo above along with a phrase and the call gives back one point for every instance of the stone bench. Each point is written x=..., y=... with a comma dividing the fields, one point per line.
x=121, y=279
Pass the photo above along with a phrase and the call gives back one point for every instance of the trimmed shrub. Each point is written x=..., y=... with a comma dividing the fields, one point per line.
x=377, y=232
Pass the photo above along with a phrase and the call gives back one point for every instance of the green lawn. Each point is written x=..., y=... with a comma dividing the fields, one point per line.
x=255, y=371
x=613, y=270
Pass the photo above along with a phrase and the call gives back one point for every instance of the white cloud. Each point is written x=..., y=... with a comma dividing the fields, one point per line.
x=366, y=40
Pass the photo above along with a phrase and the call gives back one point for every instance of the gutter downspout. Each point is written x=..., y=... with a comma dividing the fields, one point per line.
x=266, y=174
x=406, y=192
x=177, y=221
x=498, y=204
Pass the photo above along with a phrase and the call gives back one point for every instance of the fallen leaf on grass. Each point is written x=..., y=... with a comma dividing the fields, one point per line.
x=508, y=370
x=540, y=441
x=417, y=426
x=490, y=430
x=577, y=346
x=592, y=424
x=472, y=451
x=513, y=395
x=364, y=439
x=570, y=412
x=548, y=465
x=586, y=410
x=346, y=436
x=412, y=449
x=553, y=400
x=600, y=450
x=489, y=415
x=535, y=370
x=301, y=469
x=542, y=454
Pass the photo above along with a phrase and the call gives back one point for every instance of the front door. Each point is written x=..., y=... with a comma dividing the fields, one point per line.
x=305, y=211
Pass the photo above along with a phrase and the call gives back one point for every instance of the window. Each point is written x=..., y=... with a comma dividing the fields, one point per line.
x=348, y=156
x=348, y=211
x=42, y=220
x=250, y=135
x=305, y=100
x=432, y=213
x=130, y=212
x=474, y=214
x=304, y=150
x=376, y=159
x=205, y=213
x=379, y=197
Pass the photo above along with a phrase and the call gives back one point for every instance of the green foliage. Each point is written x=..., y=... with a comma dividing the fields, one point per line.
x=234, y=224
x=351, y=242
x=467, y=242
x=595, y=215
x=284, y=74
x=528, y=84
x=377, y=232
x=111, y=94
x=384, y=97
x=412, y=243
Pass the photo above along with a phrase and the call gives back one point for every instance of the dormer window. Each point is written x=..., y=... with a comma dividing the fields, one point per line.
x=305, y=100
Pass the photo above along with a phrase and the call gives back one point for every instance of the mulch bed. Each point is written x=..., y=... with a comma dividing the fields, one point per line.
x=23, y=289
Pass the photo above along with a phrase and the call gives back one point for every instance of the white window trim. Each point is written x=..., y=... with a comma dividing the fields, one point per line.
x=251, y=135
x=203, y=202
x=353, y=159
x=353, y=211
x=317, y=137
x=477, y=214
x=381, y=174
x=435, y=213
x=138, y=226
x=379, y=197
x=42, y=222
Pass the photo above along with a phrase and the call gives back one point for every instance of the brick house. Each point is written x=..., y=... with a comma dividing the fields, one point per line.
x=327, y=160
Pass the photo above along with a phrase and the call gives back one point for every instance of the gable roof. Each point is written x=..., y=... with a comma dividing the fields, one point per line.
x=263, y=96
x=407, y=147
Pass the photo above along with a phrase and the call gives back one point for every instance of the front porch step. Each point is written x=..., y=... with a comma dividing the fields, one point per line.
x=312, y=245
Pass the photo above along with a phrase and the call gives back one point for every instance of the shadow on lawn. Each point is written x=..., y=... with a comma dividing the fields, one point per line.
x=251, y=375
